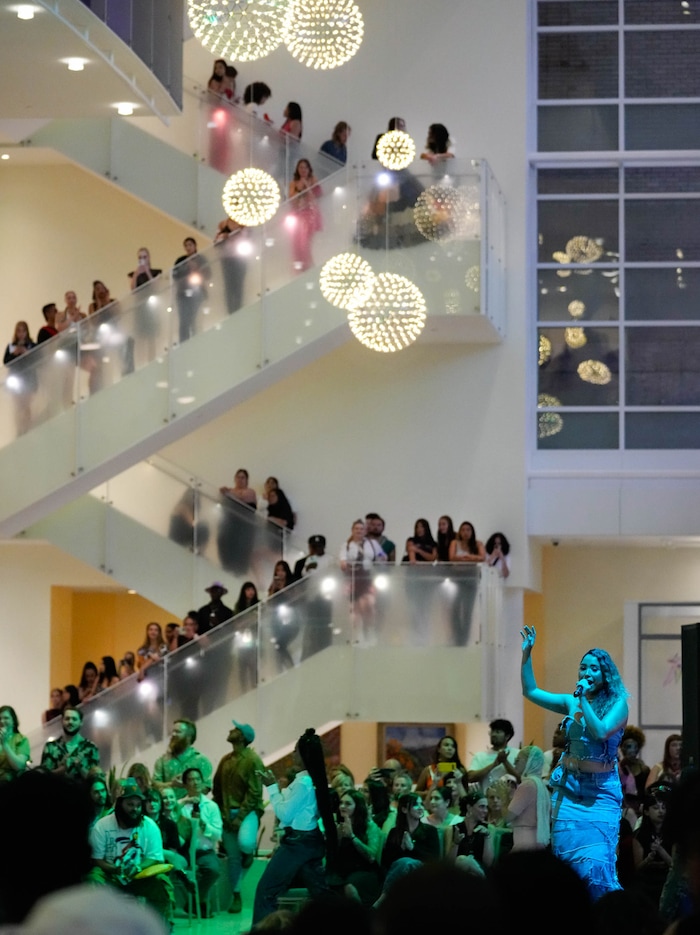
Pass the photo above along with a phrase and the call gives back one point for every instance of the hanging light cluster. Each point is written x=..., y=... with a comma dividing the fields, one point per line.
x=396, y=150
x=442, y=214
x=251, y=197
x=386, y=312
x=242, y=30
x=323, y=33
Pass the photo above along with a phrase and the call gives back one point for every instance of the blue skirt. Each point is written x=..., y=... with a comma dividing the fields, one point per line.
x=586, y=813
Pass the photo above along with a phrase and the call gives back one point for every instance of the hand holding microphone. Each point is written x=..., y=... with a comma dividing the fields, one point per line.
x=580, y=689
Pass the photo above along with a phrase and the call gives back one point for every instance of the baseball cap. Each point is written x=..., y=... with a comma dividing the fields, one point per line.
x=246, y=730
x=129, y=787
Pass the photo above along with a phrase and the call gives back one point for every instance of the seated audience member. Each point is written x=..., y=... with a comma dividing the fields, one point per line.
x=498, y=797
x=455, y=783
x=631, y=767
x=409, y=843
x=420, y=547
x=172, y=842
x=99, y=795
x=72, y=754
x=171, y=811
x=152, y=649
x=55, y=706
x=97, y=910
x=207, y=824
x=374, y=526
x=124, y=844
x=255, y=96
x=14, y=747
x=48, y=330
x=337, y=146
x=498, y=553
x=53, y=810
x=108, y=675
x=439, y=817
x=356, y=867
x=89, y=683
x=472, y=848
x=438, y=145
x=553, y=755
x=141, y=773
x=401, y=783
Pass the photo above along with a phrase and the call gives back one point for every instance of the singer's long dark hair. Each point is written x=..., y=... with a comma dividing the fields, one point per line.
x=612, y=689
x=311, y=752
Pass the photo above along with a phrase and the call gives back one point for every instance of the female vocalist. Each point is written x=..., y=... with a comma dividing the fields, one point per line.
x=586, y=790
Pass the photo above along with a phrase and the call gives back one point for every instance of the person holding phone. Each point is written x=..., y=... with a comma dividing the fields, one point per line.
x=445, y=760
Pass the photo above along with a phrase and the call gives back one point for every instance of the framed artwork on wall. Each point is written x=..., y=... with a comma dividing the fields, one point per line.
x=413, y=745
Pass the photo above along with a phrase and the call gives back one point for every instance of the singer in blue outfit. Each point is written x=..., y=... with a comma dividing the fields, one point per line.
x=586, y=790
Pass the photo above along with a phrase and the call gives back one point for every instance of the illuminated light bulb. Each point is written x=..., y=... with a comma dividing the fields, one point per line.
x=346, y=280
x=594, y=371
x=125, y=109
x=75, y=64
x=251, y=197
x=575, y=337
x=576, y=308
x=239, y=30
x=396, y=150
x=443, y=214
x=393, y=316
x=25, y=12
x=323, y=33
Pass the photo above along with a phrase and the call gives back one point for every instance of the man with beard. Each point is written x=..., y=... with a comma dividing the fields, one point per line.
x=206, y=827
x=238, y=793
x=125, y=844
x=72, y=754
x=181, y=755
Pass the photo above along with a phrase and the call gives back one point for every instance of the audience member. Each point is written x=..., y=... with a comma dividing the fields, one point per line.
x=72, y=754
x=337, y=146
x=439, y=817
x=71, y=314
x=173, y=844
x=152, y=649
x=172, y=635
x=669, y=769
x=144, y=272
x=146, y=316
x=126, y=668
x=632, y=768
x=23, y=378
x=229, y=84
x=498, y=798
x=125, y=843
x=529, y=812
x=231, y=258
x=293, y=120
x=357, y=555
x=255, y=96
x=497, y=553
x=652, y=845
x=465, y=547
x=141, y=773
x=445, y=760
x=486, y=766
x=553, y=755
x=101, y=297
x=218, y=76
x=55, y=706
x=284, y=620
x=89, y=683
x=241, y=492
x=237, y=790
x=48, y=330
x=445, y=535
x=190, y=628
x=52, y=810
x=191, y=274
x=374, y=527
x=305, y=215
x=420, y=547
x=19, y=345
x=215, y=612
x=409, y=843
x=472, y=847
x=185, y=525
x=108, y=675
x=279, y=509
x=438, y=146
x=356, y=870
x=14, y=747
x=207, y=826
x=318, y=608
x=181, y=755
x=71, y=696
x=99, y=795
x=680, y=900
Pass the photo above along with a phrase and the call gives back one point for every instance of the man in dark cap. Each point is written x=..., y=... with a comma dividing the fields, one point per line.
x=215, y=612
x=318, y=633
x=238, y=793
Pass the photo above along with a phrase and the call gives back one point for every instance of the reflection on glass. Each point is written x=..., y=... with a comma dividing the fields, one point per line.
x=577, y=128
x=586, y=375
x=578, y=65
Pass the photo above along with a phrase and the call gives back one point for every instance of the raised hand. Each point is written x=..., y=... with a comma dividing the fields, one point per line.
x=529, y=635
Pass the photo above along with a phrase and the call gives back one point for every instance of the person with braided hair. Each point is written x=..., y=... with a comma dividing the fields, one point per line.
x=302, y=847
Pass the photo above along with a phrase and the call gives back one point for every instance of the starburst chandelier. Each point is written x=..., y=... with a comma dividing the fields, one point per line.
x=442, y=214
x=396, y=150
x=594, y=371
x=393, y=316
x=251, y=197
x=240, y=30
x=346, y=280
x=323, y=33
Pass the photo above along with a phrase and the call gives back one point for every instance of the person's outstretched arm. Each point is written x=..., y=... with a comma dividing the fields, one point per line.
x=549, y=700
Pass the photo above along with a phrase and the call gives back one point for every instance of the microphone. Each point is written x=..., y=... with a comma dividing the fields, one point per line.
x=578, y=691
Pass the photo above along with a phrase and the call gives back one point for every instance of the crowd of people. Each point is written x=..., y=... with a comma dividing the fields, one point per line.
x=591, y=806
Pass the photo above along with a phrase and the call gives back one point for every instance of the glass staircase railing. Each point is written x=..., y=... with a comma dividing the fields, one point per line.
x=183, y=185
x=182, y=523
x=303, y=657
x=150, y=368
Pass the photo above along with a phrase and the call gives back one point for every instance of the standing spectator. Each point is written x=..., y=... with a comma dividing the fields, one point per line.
x=229, y=84
x=420, y=547
x=189, y=629
x=215, y=612
x=218, y=77
x=231, y=257
x=465, y=547
x=318, y=611
x=152, y=649
x=190, y=274
x=669, y=769
x=246, y=638
x=336, y=147
x=284, y=622
x=71, y=314
x=445, y=761
x=255, y=96
x=632, y=768
x=529, y=812
x=180, y=755
x=101, y=297
x=498, y=553
x=238, y=793
x=652, y=845
x=55, y=706
x=22, y=380
x=241, y=492
x=14, y=747
x=144, y=272
x=146, y=319
x=305, y=216
x=124, y=843
x=293, y=120
x=72, y=754
x=486, y=766
x=374, y=525
x=71, y=696
x=207, y=826
x=438, y=145
x=236, y=532
x=357, y=555
x=445, y=535
x=89, y=683
x=48, y=330
x=172, y=635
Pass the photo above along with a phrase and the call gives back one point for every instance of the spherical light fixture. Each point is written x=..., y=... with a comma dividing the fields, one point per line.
x=396, y=150
x=442, y=214
x=594, y=371
x=548, y=424
x=576, y=309
x=575, y=337
x=347, y=280
x=544, y=401
x=582, y=249
x=544, y=350
x=392, y=317
x=240, y=30
x=323, y=33
x=251, y=197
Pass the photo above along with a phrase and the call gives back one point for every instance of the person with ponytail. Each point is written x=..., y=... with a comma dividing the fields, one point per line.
x=303, y=846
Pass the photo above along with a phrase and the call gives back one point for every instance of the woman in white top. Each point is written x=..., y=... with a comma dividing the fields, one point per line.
x=465, y=547
x=357, y=555
x=497, y=553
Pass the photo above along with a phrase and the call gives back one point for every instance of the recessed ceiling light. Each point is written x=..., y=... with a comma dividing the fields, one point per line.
x=25, y=12
x=5, y=156
x=125, y=109
x=75, y=64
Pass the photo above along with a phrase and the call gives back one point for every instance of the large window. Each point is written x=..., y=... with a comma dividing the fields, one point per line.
x=618, y=224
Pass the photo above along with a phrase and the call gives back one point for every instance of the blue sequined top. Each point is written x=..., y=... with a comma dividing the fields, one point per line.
x=583, y=747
